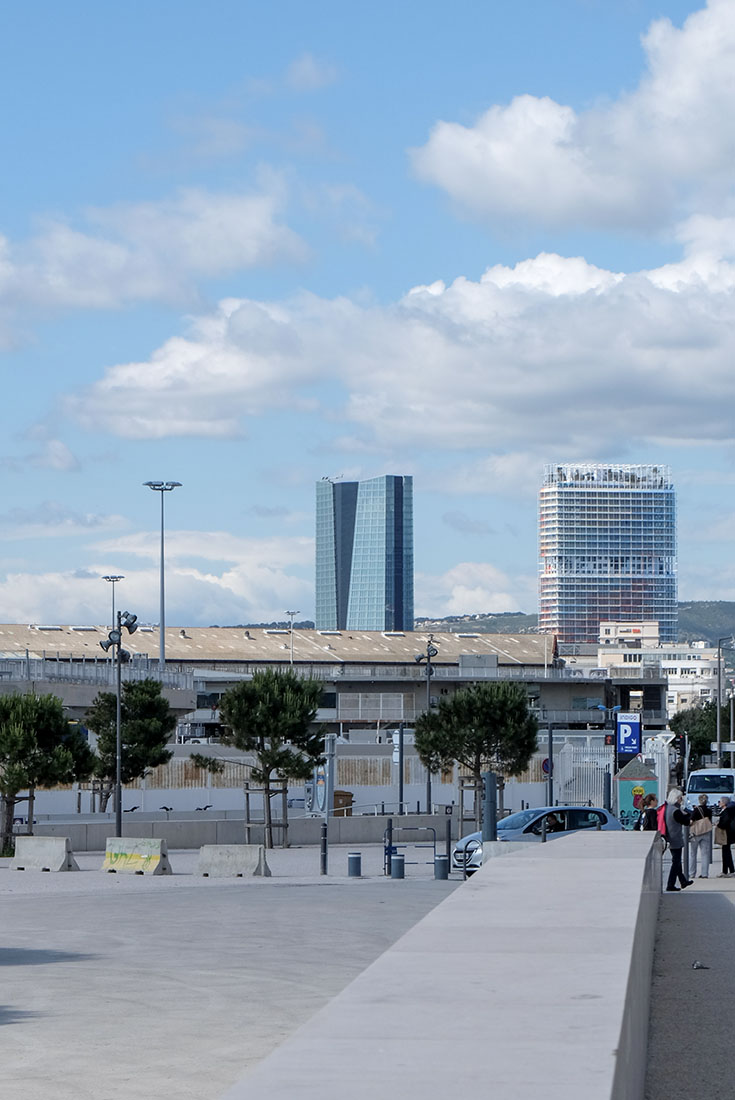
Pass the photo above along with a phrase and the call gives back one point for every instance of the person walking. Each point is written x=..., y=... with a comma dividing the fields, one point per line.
x=726, y=822
x=700, y=838
x=676, y=819
x=647, y=822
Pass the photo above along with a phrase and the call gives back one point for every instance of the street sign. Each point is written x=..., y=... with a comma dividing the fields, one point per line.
x=628, y=732
x=725, y=746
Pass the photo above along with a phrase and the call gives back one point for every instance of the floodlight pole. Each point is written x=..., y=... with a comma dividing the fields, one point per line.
x=118, y=729
x=113, y=579
x=291, y=615
x=162, y=487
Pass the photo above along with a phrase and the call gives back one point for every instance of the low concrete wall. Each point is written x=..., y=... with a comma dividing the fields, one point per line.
x=91, y=834
x=531, y=979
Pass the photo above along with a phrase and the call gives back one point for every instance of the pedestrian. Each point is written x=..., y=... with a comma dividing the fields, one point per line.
x=676, y=819
x=700, y=838
x=726, y=823
x=647, y=821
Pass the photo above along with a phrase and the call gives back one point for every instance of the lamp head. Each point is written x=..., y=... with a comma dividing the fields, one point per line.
x=130, y=622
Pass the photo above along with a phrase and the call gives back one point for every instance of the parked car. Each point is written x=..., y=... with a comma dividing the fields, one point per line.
x=528, y=825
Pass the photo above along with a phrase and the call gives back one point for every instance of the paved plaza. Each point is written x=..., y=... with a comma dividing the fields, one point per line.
x=128, y=987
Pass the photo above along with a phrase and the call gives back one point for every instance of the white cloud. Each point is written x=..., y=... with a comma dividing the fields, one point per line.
x=210, y=578
x=473, y=586
x=146, y=251
x=55, y=455
x=635, y=162
x=551, y=357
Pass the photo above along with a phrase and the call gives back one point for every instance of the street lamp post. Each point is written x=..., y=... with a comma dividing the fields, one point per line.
x=113, y=641
x=431, y=651
x=291, y=615
x=162, y=487
x=720, y=641
x=113, y=579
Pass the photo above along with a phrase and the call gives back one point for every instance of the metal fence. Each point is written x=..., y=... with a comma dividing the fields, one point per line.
x=29, y=669
x=579, y=774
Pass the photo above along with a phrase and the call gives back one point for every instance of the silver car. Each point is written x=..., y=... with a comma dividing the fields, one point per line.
x=528, y=825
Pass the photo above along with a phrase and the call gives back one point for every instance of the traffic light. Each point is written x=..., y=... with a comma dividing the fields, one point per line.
x=609, y=740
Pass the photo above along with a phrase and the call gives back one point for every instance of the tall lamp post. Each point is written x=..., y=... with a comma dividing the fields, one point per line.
x=162, y=487
x=720, y=641
x=113, y=579
x=291, y=616
x=113, y=641
x=431, y=651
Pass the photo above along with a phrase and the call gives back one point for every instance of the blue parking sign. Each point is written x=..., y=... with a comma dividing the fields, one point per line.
x=628, y=732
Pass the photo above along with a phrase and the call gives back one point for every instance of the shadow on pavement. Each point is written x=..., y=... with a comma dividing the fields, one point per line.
x=14, y=1015
x=690, y=1037
x=38, y=956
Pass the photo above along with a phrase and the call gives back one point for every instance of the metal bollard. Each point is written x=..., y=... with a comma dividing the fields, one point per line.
x=441, y=867
x=354, y=864
x=398, y=866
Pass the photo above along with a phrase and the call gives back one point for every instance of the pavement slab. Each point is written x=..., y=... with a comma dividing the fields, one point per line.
x=129, y=987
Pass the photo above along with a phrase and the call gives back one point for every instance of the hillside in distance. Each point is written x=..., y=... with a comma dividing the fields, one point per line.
x=699, y=620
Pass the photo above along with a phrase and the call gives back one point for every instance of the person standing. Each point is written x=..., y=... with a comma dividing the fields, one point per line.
x=726, y=822
x=676, y=819
x=700, y=838
x=647, y=822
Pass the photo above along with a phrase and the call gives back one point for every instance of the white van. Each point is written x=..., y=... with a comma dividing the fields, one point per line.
x=716, y=783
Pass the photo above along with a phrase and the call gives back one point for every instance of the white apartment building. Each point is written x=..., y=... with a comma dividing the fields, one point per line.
x=690, y=670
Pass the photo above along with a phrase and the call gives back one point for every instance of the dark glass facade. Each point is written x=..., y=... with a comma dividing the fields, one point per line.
x=364, y=554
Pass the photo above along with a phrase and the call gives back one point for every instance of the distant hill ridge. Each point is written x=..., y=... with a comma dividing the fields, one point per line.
x=699, y=620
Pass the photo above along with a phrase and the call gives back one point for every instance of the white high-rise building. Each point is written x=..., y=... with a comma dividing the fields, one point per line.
x=607, y=549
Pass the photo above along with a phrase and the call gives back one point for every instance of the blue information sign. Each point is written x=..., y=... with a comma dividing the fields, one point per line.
x=628, y=732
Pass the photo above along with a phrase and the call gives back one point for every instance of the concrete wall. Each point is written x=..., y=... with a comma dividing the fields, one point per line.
x=531, y=979
x=90, y=834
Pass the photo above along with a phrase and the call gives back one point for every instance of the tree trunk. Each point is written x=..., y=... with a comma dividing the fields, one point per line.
x=8, y=810
x=267, y=812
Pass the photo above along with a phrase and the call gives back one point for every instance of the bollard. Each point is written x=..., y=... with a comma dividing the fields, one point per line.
x=354, y=865
x=441, y=867
x=397, y=866
x=324, y=850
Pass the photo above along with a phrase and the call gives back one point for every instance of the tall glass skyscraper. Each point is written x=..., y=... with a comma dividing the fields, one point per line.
x=364, y=554
x=607, y=549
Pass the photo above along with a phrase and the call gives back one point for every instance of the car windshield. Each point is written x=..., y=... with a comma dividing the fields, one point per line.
x=517, y=821
x=710, y=784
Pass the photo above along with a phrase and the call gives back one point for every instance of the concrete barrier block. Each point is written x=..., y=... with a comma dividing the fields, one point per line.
x=43, y=853
x=136, y=856
x=232, y=861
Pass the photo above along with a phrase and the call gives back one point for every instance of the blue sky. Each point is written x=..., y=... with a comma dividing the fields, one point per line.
x=247, y=246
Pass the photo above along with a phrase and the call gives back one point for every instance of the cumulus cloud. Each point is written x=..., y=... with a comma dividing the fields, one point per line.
x=469, y=586
x=210, y=578
x=634, y=162
x=552, y=354
x=146, y=251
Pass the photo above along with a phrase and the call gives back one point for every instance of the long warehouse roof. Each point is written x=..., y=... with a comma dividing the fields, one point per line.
x=239, y=644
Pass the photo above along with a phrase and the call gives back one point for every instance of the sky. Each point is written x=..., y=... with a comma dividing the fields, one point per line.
x=245, y=246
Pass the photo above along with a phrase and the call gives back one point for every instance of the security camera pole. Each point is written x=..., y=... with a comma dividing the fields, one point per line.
x=431, y=651
x=114, y=638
